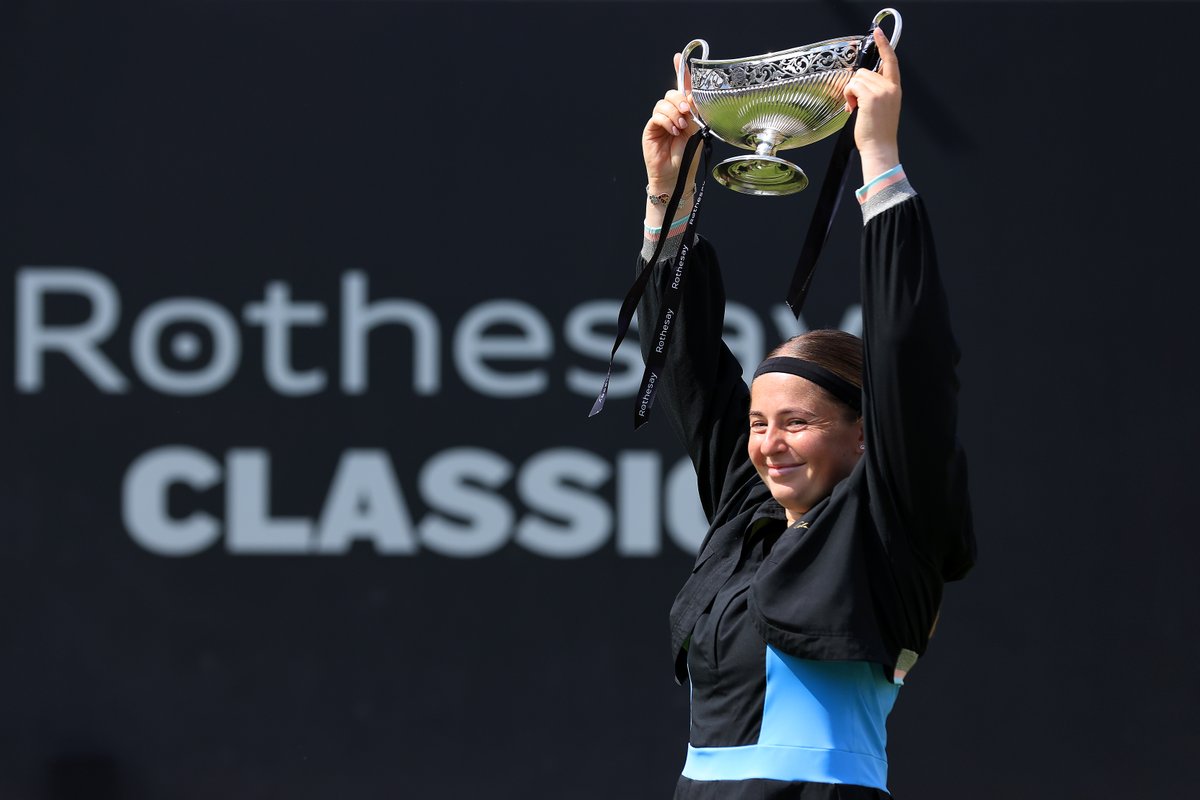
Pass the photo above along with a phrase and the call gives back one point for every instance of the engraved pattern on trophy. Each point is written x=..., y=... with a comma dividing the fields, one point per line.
x=771, y=102
x=836, y=54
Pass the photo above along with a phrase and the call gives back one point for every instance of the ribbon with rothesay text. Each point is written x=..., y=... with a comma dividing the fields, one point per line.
x=672, y=290
x=832, y=188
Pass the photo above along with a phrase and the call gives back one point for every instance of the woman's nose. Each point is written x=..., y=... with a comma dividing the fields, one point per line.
x=772, y=440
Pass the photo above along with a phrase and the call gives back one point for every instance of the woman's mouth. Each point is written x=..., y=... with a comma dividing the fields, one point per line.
x=780, y=470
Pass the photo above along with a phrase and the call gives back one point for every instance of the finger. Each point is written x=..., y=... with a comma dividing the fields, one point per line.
x=664, y=122
x=866, y=82
x=673, y=112
x=686, y=105
x=678, y=100
x=851, y=92
x=889, y=65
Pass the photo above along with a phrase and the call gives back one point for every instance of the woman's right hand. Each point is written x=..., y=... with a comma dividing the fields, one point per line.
x=663, y=141
x=876, y=95
x=665, y=135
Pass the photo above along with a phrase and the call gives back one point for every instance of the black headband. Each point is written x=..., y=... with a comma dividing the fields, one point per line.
x=837, y=386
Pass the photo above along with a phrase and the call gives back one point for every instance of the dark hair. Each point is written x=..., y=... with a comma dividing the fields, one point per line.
x=837, y=351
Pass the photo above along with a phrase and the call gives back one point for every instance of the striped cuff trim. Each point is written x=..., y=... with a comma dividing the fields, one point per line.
x=880, y=182
x=885, y=198
x=652, y=233
x=674, y=239
x=668, y=252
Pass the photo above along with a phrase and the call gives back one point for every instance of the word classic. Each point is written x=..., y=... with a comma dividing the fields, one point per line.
x=560, y=503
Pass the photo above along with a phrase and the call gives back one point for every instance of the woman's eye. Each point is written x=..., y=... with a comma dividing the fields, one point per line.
x=757, y=425
x=797, y=423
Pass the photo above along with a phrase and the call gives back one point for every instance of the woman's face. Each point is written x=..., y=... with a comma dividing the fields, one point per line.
x=801, y=441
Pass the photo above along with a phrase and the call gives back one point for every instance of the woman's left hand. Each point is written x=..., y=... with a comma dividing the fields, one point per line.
x=876, y=95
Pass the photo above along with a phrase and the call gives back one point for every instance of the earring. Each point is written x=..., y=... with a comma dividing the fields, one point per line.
x=862, y=446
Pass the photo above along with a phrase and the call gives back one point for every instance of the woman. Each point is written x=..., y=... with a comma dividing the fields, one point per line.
x=835, y=489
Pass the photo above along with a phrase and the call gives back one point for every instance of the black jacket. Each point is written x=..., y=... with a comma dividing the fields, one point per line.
x=860, y=576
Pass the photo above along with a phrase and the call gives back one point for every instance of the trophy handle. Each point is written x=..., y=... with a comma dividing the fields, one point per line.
x=679, y=82
x=884, y=14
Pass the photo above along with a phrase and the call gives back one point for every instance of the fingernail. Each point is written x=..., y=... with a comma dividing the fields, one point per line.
x=682, y=123
x=683, y=107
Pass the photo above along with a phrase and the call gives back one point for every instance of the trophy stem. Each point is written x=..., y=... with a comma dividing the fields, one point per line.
x=766, y=141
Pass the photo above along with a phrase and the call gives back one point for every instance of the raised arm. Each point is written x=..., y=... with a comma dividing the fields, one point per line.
x=914, y=462
x=702, y=395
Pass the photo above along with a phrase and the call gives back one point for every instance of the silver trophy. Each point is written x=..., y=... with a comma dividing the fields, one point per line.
x=772, y=102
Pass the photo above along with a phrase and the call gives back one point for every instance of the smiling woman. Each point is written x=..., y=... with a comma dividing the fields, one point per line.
x=834, y=487
x=806, y=430
x=802, y=441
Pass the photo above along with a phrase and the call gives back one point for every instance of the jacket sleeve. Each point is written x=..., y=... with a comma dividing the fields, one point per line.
x=703, y=396
x=915, y=464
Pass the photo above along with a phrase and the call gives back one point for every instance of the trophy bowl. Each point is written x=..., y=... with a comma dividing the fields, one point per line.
x=774, y=101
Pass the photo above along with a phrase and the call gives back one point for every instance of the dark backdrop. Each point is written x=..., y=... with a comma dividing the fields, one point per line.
x=244, y=558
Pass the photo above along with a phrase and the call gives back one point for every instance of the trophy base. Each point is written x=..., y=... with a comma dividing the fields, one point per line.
x=760, y=174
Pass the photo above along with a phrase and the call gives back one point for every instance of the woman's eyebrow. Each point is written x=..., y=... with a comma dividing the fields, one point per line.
x=802, y=412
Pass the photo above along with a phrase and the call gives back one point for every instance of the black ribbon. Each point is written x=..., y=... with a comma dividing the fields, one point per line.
x=832, y=189
x=672, y=291
x=814, y=240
